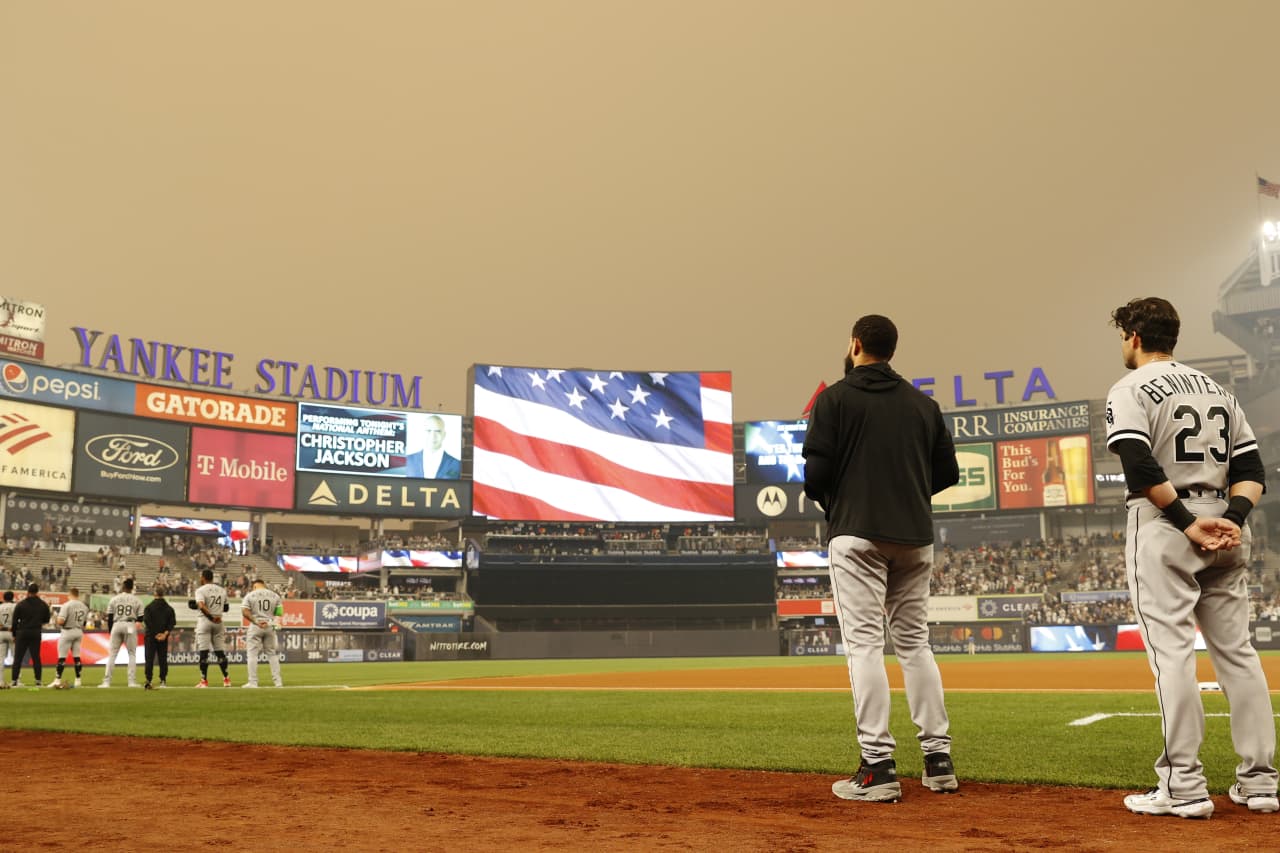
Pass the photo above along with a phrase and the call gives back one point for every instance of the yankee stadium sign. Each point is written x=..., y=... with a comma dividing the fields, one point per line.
x=190, y=365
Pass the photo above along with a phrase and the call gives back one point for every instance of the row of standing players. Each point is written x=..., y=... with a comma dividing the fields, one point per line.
x=875, y=451
x=21, y=624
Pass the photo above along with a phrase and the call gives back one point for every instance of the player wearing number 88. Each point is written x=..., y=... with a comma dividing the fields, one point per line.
x=123, y=613
x=260, y=607
x=1180, y=436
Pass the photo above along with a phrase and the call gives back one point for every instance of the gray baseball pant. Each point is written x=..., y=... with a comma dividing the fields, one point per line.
x=869, y=580
x=1174, y=586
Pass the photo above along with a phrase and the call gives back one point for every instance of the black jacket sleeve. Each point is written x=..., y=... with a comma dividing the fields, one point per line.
x=946, y=470
x=820, y=452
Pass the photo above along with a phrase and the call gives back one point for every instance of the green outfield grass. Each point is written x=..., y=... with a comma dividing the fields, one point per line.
x=998, y=737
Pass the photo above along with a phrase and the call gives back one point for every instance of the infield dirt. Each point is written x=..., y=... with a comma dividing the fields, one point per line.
x=114, y=793
x=111, y=793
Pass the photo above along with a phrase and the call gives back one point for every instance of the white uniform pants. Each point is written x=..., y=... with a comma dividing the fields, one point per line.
x=123, y=634
x=256, y=640
x=1174, y=586
x=870, y=580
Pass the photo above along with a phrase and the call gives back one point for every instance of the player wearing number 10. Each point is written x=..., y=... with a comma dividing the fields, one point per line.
x=1182, y=437
x=260, y=607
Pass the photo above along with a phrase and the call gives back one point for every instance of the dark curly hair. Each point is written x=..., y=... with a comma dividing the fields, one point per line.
x=878, y=335
x=1151, y=318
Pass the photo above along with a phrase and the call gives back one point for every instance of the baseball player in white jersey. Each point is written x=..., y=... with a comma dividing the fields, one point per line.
x=260, y=607
x=6, y=633
x=1182, y=437
x=211, y=633
x=123, y=614
x=72, y=617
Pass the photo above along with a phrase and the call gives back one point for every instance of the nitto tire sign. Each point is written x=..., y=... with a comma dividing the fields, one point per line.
x=129, y=457
x=351, y=614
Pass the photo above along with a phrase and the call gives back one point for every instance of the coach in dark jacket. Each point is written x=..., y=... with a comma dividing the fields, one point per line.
x=29, y=616
x=158, y=619
x=875, y=452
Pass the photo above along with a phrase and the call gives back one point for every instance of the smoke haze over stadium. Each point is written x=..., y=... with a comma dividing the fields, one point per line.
x=416, y=187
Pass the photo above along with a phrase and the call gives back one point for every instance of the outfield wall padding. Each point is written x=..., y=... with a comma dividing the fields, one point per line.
x=539, y=645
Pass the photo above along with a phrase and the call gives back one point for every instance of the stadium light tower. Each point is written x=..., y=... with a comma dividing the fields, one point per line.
x=1269, y=253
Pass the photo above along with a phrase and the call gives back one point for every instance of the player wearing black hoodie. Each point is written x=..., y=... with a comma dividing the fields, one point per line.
x=875, y=452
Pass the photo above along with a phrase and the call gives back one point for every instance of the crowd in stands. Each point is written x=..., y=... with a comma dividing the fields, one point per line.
x=23, y=545
x=50, y=578
x=549, y=539
x=396, y=542
x=1056, y=612
x=804, y=587
x=793, y=543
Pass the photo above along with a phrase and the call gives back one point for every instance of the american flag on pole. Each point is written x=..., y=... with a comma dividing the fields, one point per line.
x=1265, y=187
x=588, y=445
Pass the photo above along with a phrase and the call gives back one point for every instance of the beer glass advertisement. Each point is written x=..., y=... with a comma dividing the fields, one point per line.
x=977, y=487
x=1045, y=472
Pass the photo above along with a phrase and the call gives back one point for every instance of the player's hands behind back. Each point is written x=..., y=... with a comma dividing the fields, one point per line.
x=1214, y=534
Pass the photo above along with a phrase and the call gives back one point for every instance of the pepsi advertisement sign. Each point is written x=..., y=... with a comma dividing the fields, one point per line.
x=351, y=614
x=39, y=384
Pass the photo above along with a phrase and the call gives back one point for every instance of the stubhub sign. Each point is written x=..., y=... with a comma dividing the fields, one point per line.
x=63, y=388
x=351, y=614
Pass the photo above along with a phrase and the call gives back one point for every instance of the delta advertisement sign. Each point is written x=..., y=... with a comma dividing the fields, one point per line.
x=241, y=469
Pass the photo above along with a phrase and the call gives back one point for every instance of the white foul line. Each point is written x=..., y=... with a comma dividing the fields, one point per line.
x=1094, y=718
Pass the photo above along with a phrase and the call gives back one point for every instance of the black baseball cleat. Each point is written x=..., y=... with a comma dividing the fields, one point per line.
x=873, y=783
x=147, y=686
x=940, y=773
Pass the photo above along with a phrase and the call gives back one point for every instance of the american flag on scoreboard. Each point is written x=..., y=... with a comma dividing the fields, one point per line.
x=1267, y=188
x=587, y=445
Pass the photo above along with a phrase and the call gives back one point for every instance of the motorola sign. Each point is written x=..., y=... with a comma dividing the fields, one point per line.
x=781, y=501
x=351, y=614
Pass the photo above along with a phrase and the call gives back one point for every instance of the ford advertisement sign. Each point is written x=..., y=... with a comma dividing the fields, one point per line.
x=351, y=614
x=130, y=458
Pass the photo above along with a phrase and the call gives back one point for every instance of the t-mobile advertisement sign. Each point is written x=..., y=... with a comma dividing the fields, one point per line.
x=241, y=469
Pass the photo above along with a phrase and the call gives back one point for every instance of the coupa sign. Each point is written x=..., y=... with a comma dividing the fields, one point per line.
x=351, y=614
